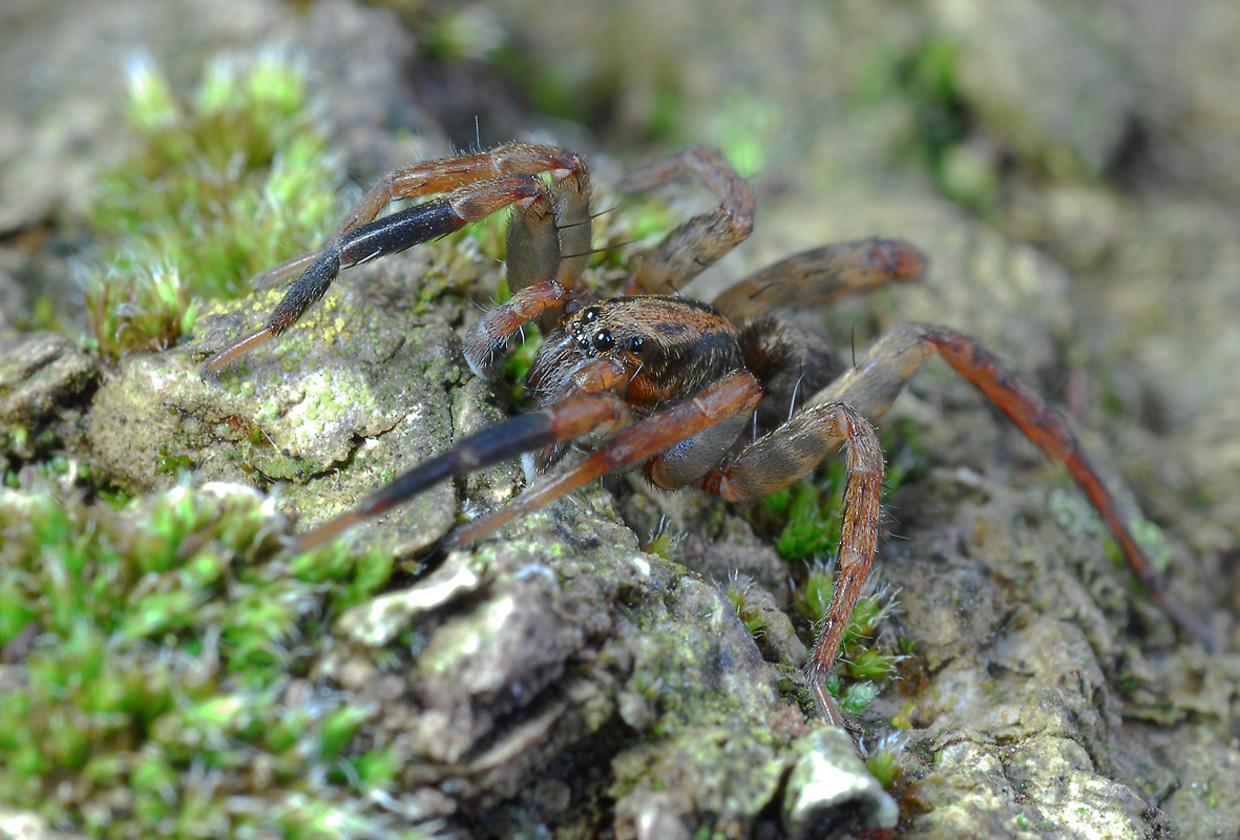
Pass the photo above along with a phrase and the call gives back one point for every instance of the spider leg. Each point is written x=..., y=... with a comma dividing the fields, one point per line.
x=821, y=275
x=735, y=394
x=552, y=240
x=490, y=335
x=475, y=186
x=578, y=415
x=875, y=382
x=782, y=456
x=703, y=239
x=548, y=249
x=439, y=176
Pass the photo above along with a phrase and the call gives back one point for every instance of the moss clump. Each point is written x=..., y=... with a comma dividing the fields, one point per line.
x=811, y=513
x=663, y=540
x=155, y=651
x=887, y=760
x=865, y=664
x=218, y=189
x=748, y=609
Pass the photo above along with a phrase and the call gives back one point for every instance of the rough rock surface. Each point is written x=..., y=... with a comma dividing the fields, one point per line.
x=558, y=680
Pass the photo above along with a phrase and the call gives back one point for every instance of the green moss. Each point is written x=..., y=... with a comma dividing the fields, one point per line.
x=663, y=541
x=886, y=762
x=453, y=34
x=517, y=365
x=742, y=128
x=218, y=190
x=924, y=81
x=159, y=645
x=749, y=611
x=813, y=512
x=170, y=464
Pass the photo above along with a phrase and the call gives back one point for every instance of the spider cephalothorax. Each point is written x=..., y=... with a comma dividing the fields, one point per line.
x=729, y=396
x=669, y=347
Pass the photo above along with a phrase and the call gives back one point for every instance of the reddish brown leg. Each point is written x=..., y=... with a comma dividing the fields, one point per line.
x=489, y=337
x=551, y=240
x=736, y=393
x=548, y=249
x=702, y=240
x=875, y=382
x=476, y=186
x=439, y=176
x=820, y=276
x=789, y=452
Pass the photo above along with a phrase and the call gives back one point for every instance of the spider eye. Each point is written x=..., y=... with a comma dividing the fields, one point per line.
x=636, y=344
x=604, y=341
x=590, y=314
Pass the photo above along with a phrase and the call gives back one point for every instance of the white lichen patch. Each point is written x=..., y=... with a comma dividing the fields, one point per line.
x=381, y=620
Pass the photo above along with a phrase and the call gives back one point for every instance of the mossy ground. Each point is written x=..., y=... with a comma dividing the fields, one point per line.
x=992, y=584
x=218, y=190
x=170, y=648
x=156, y=665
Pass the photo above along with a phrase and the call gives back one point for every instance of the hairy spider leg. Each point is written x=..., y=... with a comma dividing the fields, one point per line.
x=552, y=240
x=735, y=394
x=489, y=337
x=437, y=176
x=548, y=249
x=576, y=416
x=445, y=175
x=789, y=452
x=821, y=275
x=874, y=383
x=703, y=239
x=791, y=361
x=476, y=186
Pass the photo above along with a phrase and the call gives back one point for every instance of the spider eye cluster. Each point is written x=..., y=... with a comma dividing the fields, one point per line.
x=604, y=341
x=599, y=339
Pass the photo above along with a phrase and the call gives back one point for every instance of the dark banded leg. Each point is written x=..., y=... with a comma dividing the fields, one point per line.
x=477, y=185
x=439, y=176
x=820, y=276
x=736, y=393
x=579, y=415
x=388, y=235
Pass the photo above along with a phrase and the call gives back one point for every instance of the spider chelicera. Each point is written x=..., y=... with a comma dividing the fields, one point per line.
x=728, y=397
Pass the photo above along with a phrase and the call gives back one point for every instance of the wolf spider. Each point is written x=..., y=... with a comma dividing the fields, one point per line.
x=728, y=397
